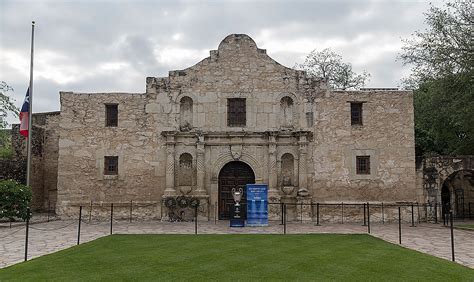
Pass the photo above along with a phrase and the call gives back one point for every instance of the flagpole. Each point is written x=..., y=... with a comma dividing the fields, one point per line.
x=30, y=110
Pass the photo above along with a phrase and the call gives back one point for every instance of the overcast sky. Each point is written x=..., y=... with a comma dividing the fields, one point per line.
x=112, y=46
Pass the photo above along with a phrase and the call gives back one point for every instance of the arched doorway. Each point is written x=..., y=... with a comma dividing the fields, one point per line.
x=457, y=193
x=234, y=174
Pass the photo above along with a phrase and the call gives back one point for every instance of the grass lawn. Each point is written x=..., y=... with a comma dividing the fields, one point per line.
x=238, y=257
x=466, y=226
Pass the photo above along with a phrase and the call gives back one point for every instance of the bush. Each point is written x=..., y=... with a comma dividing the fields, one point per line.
x=15, y=199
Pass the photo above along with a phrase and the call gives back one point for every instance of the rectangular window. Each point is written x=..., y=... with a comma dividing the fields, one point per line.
x=111, y=115
x=363, y=164
x=356, y=113
x=110, y=165
x=236, y=112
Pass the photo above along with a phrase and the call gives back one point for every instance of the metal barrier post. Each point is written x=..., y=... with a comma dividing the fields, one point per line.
x=111, y=216
x=342, y=216
x=301, y=211
x=284, y=219
x=365, y=223
x=215, y=213
x=27, y=230
x=436, y=212
x=90, y=213
x=399, y=226
x=412, y=216
x=195, y=220
x=452, y=234
x=79, y=225
x=49, y=208
x=282, y=213
x=131, y=209
x=418, y=212
x=317, y=214
x=383, y=217
x=368, y=217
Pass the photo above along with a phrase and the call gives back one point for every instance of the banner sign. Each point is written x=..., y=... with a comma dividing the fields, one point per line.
x=257, y=205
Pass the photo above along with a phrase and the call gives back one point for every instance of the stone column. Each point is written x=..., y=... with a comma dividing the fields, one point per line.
x=302, y=164
x=170, y=171
x=272, y=163
x=200, y=171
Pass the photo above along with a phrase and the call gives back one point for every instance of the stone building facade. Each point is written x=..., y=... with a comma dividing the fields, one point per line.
x=235, y=117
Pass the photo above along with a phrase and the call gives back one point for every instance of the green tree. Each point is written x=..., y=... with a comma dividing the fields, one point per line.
x=15, y=200
x=6, y=107
x=441, y=57
x=328, y=65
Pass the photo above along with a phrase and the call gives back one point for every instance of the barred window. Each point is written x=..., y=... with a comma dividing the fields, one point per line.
x=111, y=115
x=363, y=164
x=356, y=113
x=110, y=165
x=236, y=112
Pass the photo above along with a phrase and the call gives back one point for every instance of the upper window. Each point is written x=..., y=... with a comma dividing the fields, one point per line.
x=111, y=115
x=356, y=113
x=363, y=164
x=236, y=112
x=110, y=165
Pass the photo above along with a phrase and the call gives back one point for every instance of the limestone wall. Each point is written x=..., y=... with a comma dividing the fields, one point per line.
x=85, y=140
x=387, y=136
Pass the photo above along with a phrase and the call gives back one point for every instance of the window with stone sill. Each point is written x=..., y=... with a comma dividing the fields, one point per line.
x=111, y=115
x=363, y=164
x=236, y=112
x=110, y=165
x=356, y=113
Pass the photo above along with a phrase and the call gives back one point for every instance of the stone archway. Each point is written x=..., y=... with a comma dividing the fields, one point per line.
x=234, y=174
x=457, y=193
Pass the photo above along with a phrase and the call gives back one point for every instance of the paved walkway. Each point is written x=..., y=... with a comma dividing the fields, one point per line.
x=48, y=237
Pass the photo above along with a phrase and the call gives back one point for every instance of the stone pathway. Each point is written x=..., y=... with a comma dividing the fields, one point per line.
x=49, y=237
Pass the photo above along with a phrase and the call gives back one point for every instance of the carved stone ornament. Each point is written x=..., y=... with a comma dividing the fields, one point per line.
x=236, y=151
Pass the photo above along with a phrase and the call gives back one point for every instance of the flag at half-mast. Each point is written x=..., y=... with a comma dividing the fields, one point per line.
x=24, y=114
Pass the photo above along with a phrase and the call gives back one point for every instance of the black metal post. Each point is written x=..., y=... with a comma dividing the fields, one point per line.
x=317, y=214
x=79, y=226
x=131, y=209
x=383, y=217
x=452, y=234
x=365, y=223
x=27, y=230
x=436, y=212
x=284, y=219
x=49, y=209
x=412, y=216
x=215, y=213
x=282, y=213
x=301, y=211
x=418, y=212
x=368, y=218
x=90, y=213
x=399, y=226
x=469, y=210
x=342, y=211
x=111, y=217
x=195, y=220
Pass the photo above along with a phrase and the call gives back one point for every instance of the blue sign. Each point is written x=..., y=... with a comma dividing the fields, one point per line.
x=257, y=205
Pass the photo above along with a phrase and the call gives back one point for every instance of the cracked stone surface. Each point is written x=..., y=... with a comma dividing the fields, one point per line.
x=49, y=237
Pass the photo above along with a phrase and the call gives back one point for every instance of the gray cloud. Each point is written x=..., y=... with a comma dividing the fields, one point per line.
x=100, y=46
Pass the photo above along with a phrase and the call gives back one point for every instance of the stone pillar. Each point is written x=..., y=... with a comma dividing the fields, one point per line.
x=200, y=170
x=170, y=171
x=302, y=164
x=272, y=163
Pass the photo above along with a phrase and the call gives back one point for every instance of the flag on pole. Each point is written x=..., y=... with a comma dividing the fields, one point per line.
x=24, y=114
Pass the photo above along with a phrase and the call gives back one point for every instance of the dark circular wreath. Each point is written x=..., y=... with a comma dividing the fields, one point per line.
x=194, y=202
x=182, y=201
x=170, y=202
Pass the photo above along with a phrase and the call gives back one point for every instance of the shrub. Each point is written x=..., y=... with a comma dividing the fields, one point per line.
x=15, y=199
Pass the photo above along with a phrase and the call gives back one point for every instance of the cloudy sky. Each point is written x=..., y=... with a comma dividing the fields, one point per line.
x=97, y=46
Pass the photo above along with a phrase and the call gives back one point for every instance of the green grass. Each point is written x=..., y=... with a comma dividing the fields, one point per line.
x=466, y=226
x=238, y=257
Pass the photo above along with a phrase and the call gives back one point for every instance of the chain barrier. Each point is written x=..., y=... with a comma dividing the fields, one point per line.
x=11, y=233
x=52, y=229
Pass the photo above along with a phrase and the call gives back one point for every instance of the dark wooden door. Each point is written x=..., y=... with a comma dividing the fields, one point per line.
x=233, y=175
